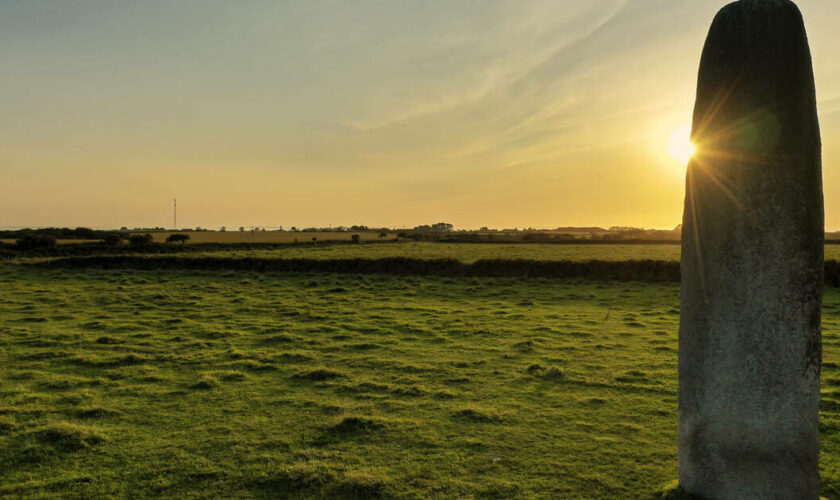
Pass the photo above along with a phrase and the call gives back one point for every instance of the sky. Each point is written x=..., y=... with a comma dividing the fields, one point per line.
x=532, y=113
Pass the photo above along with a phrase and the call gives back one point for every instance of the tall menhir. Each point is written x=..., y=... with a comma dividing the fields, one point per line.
x=752, y=263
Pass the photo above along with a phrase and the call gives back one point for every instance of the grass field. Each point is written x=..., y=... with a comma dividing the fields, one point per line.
x=467, y=252
x=470, y=252
x=189, y=384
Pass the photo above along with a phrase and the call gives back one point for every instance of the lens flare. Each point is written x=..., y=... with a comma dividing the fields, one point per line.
x=680, y=146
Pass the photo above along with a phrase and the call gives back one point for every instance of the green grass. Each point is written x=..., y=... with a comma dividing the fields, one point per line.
x=194, y=384
x=470, y=252
x=467, y=252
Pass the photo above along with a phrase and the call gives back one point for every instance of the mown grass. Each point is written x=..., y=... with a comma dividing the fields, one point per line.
x=234, y=384
x=468, y=252
x=471, y=252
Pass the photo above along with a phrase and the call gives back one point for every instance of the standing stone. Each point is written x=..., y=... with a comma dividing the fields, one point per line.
x=752, y=263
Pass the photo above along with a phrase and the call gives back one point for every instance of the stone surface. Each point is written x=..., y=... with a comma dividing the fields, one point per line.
x=752, y=263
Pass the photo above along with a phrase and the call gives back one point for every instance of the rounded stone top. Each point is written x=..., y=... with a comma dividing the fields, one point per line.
x=759, y=5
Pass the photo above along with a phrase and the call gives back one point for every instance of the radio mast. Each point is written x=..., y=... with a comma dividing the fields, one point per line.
x=175, y=214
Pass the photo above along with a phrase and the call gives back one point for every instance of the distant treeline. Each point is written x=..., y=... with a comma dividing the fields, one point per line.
x=145, y=247
x=60, y=233
x=526, y=237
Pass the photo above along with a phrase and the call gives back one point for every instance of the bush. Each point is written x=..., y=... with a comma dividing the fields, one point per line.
x=34, y=241
x=355, y=238
x=178, y=238
x=139, y=240
x=112, y=239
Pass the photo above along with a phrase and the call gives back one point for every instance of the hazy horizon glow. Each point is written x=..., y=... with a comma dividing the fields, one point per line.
x=543, y=113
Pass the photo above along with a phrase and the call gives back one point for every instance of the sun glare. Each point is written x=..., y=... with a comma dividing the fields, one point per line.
x=680, y=146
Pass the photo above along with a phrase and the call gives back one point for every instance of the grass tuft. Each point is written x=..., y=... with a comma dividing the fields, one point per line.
x=7, y=425
x=95, y=412
x=108, y=340
x=474, y=415
x=206, y=382
x=673, y=491
x=230, y=376
x=67, y=436
x=317, y=375
x=355, y=425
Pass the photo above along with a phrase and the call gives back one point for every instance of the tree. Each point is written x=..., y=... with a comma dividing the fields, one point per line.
x=222, y=229
x=355, y=238
x=112, y=239
x=139, y=240
x=178, y=238
x=383, y=235
x=34, y=241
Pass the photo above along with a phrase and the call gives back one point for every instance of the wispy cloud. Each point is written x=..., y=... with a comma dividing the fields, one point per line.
x=504, y=74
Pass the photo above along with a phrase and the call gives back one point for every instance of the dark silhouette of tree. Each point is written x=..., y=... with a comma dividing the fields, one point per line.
x=33, y=241
x=139, y=240
x=112, y=239
x=178, y=238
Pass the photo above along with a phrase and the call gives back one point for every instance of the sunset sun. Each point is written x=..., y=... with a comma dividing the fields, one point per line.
x=679, y=144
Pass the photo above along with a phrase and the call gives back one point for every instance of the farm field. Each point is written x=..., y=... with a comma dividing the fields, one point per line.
x=470, y=252
x=467, y=252
x=190, y=384
x=374, y=248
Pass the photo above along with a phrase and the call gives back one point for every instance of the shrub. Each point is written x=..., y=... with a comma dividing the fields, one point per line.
x=178, y=238
x=112, y=239
x=139, y=240
x=34, y=241
x=355, y=238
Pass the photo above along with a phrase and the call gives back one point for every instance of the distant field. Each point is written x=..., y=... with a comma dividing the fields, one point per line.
x=191, y=384
x=469, y=252
x=465, y=252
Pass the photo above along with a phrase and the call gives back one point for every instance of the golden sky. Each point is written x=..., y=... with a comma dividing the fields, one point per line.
x=532, y=113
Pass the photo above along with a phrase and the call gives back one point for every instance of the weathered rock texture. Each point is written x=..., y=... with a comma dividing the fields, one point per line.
x=752, y=263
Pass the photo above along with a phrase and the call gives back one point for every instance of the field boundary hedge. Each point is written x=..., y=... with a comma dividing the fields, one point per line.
x=634, y=270
x=600, y=270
